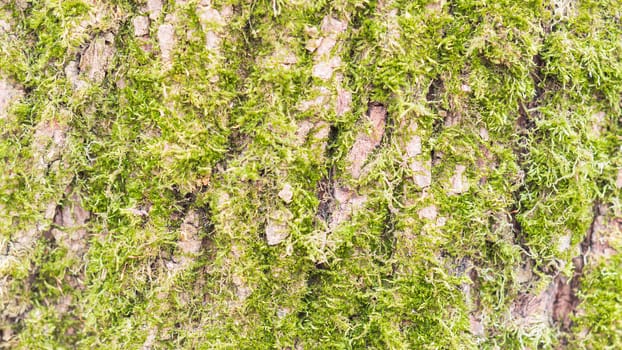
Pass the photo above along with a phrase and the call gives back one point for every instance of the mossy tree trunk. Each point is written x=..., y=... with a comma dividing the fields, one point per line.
x=301, y=175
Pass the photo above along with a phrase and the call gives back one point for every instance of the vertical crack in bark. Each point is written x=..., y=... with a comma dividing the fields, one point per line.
x=365, y=144
x=326, y=186
x=529, y=310
x=339, y=202
x=68, y=232
x=525, y=125
x=48, y=146
x=389, y=236
x=560, y=299
x=433, y=98
x=566, y=299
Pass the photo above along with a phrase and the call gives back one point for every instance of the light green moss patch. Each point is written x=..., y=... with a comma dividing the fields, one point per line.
x=214, y=158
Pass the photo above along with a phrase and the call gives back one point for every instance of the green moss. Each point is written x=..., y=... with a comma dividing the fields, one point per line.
x=599, y=324
x=511, y=91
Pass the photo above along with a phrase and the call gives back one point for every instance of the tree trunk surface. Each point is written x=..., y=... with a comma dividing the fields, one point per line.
x=352, y=174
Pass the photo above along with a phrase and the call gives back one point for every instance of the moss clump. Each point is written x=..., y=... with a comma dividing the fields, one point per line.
x=213, y=157
x=598, y=327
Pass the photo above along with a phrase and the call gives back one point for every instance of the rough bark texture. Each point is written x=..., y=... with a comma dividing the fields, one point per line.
x=440, y=174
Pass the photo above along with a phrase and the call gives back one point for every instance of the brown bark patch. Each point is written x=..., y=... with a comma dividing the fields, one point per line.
x=141, y=26
x=166, y=40
x=70, y=221
x=366, y=142
x=97, y=57
x=8, y=94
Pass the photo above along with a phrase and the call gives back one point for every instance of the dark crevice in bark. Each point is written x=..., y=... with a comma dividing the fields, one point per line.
x=331, y=211
x=434, y=94
x=204, y=224
x=326, y=186
x=388, y=236
x=517, y=229
x=184, y=200
x=525, y=125
x=566, y=298
x=207, y=242
x=236, y=140
x=528, y=303
x=451, y=8
x=40, y=284
x=434, y=99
